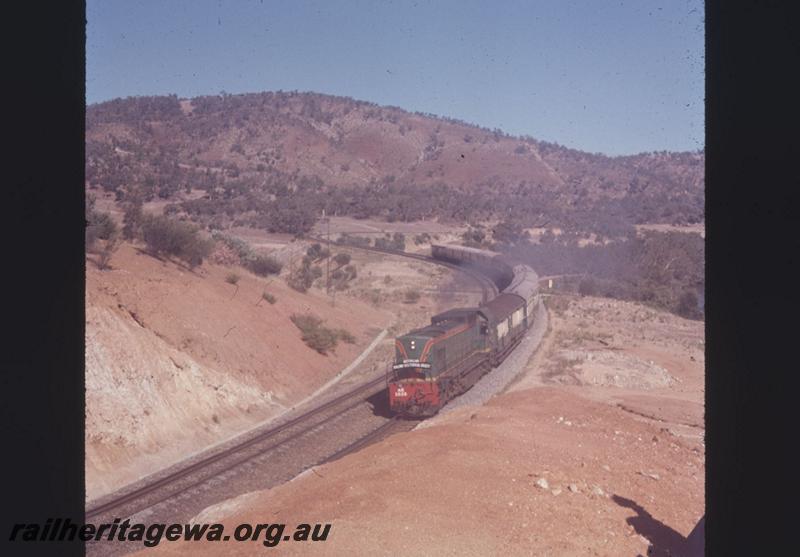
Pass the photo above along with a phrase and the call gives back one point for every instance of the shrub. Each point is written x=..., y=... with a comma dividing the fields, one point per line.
x=375, y=296
x=395, y=242
x=269, y=297
x=342, y=259
x=587, y=287
x=106, y=228
x=132, y=219
x=263, y=265
x=298, y=282
x=242, y=248
x=345, y=336
x=165, y=236
x=98, y=225
x=346, y=239
x=314, y=334
x=315, y=251
x=411, y=296
x=108, y=250
x=259, y=264
x=688, y=305
x=232, y=278
x=350, y=271
x=423, y=238
x=304, y=276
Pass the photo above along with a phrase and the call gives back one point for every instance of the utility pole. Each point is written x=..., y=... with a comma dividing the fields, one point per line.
x=291, y=260
x=328, y=263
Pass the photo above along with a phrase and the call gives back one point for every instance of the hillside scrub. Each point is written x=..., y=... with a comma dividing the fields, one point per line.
x=164, y=236
x=396, y=241
x=99, y=225
x=161, y=153
x=317, y=336
x=263, y=265
x=304, y=276
x=411, y=296
x=258, y=263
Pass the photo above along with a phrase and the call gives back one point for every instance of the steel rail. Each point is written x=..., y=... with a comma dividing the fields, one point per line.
x=214, y=458
x=488, y=287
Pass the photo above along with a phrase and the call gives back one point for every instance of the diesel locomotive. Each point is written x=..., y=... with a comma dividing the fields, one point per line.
x=437, y=362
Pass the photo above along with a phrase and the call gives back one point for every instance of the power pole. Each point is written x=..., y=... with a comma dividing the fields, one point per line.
x=328, y=263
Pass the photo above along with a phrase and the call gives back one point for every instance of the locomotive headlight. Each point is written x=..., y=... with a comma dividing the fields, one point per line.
x=413, y=345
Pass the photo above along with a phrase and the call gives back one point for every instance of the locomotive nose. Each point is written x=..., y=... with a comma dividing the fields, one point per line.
x=414, y=398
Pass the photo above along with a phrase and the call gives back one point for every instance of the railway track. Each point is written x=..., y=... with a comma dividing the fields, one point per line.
x=488, y=288
x=391, y=426
x=343, y=424
x=168, y=486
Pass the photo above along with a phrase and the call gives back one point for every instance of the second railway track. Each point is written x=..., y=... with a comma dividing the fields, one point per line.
x=488, y=288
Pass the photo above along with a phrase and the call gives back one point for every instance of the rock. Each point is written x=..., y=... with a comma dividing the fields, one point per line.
x=567, y=422
x=606, y=468
x=542, y=482
x=557, y=491
x=597, y=491
x=573, y=488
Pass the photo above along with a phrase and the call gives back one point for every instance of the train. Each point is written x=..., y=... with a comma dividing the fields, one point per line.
x=435, y=363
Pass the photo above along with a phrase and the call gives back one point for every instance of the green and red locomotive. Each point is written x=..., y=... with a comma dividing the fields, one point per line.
x=435, y=363
x=442, y=360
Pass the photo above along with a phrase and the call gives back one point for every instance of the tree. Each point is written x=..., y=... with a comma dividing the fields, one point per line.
x=111, y=246
x=132, y=218
x=508, y=232
x=688, y=305
x=165, y=236
x=263, y=265
x=99, y=225
x=399, y=241
x=342, y=259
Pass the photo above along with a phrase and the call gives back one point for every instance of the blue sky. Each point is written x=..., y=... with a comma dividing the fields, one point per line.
x=611, y=77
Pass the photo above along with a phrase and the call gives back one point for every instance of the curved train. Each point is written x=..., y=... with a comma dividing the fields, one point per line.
x=437, y=362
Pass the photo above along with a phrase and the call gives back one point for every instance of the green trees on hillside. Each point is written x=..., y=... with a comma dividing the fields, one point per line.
x=165, y=236
x=100, y=230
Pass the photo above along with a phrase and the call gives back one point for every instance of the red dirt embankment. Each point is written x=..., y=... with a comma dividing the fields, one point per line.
x=555, y=467
x=469, y=487
x=178, y=359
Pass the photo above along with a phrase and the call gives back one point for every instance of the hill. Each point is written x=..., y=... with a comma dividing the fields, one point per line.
x=276, y=160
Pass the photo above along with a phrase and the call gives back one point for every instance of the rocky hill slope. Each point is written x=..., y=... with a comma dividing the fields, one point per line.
x=177, y=360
